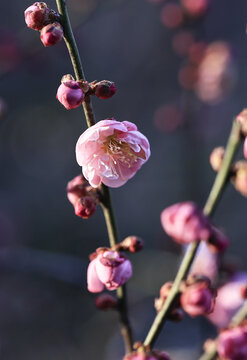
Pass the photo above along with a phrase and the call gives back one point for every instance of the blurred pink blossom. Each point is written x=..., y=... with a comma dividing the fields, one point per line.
x=111, y=152
x=216, y=73
x=232, y=343
x=195, y=8
x=229, y=300
x=185, y=223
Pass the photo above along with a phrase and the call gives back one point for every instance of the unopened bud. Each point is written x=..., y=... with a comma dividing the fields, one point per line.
x=216, y=158
x=37, y=15
x=104, y=89
x=232, y=343
x=70, y=94
x=198, y=298
x=105, y=302
x=85, y=207
x=51, y=34
x=77, y=188
x=132, y=244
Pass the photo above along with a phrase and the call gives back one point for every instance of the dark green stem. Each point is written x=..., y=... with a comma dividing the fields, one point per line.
x=236, y=320
x=106, y=198
x=214, y=196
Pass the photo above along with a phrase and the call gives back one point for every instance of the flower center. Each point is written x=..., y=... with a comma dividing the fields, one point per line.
x=121, y=151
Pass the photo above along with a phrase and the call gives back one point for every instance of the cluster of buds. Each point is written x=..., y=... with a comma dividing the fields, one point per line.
x=144, y=353
x=176, y=314
x=198, y=297
x=82, y=196
x=186, y=223
x=108, y=268
x=41, y=18
x=71, y=93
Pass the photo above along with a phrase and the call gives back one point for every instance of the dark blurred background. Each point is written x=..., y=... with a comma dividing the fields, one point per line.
x=45, y=309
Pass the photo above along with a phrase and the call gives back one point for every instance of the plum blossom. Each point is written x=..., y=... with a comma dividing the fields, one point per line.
x=111, y=152
x=108, y=268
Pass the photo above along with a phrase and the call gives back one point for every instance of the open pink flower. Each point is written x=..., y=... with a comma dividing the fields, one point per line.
x=111, y=152
x=110, y=269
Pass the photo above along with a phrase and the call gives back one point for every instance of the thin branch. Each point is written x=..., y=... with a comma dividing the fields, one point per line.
x=214, y=196
x=106, y=202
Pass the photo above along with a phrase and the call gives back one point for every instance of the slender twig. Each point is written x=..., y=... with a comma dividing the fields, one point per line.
x=106, y=199
x=236, y=320
x=214, y=196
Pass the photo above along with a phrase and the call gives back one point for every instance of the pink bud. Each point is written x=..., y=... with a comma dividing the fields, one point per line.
x=232, y=344
x=105, y=302
x=185, y=223
x=77, y=188
x=85, y=207
x=110, y=268
x=132, y=244
x=51, y=34
x=216, y=158
x=70, y=94
x=242, y=120
x=198, y=299
x=105, y=89
x=37, y=15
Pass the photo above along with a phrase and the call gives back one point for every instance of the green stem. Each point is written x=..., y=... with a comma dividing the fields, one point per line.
x=106, y=201
x=236, y=320
x=214, y=196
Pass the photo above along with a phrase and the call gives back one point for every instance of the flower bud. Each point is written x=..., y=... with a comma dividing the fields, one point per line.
x=85, y=207
x=240, y=177
x=216, y=158
x=110, y=269
x=185, y=223
x=132, y=244
x=70, y=94
x=37, y=15
x=105, y=89
x=105, y=302
x=51, y=34
x=198, y=298
x=77, y=188
x=232, y=343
